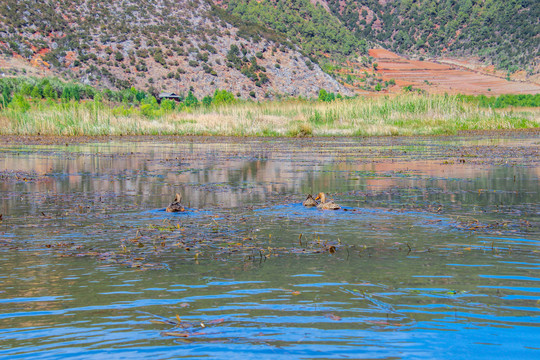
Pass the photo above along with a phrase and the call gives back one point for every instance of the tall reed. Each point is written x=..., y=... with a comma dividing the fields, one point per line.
x=400, y=115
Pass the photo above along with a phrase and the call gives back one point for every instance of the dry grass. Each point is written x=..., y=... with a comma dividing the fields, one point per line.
x=402, y=115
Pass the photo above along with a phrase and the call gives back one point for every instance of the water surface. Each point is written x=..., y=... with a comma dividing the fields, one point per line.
x=436, y=255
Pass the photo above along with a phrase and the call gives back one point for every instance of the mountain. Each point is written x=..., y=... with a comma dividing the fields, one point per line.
x=310, y=25
x=505, y=33
x=178, y=46
x=264, y=48
x=496, y=32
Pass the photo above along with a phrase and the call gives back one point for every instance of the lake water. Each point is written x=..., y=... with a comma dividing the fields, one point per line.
x=435, y=255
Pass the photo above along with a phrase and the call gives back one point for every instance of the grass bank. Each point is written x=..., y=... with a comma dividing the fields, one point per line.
x=408, y=114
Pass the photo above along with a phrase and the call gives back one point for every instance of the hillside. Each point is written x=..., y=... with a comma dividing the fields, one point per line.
x=499, y=32
x=268, y=48
x=306, y=23
x=157, y=45
x=482, y=42
x=444, y=77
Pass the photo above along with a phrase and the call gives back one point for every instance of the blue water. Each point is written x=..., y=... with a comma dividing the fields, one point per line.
x=430, y=260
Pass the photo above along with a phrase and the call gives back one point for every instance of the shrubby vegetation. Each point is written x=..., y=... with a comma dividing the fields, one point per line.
x=504, y=32
x=307, y=25
x=21, y=94
x=59, y=34
x=51, y=107
x=504, y=101
x=89, y=40
x=35, y=89
x=328, y=96
x=364, y=80
x=248, y=67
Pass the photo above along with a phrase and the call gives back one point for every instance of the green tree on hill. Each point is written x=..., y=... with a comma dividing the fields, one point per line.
x=306, y=24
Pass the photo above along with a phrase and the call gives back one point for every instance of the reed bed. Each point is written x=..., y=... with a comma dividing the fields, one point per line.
x=400, y=115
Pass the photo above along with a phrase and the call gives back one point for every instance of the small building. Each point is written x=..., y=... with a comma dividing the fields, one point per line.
x=170, y=96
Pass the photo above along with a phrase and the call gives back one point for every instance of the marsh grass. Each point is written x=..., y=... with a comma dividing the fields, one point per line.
x=401, y=115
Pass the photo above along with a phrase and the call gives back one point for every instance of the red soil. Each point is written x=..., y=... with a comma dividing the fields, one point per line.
x=445, y=77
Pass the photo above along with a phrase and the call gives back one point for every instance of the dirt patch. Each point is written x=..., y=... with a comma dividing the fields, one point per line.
x=383, y=54
x=450, y=77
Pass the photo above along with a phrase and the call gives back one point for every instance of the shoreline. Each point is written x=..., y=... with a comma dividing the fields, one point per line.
x=88, y=139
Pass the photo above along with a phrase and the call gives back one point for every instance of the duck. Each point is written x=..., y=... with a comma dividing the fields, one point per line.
x=326, y=205
x=176, y=206
x=310, y=201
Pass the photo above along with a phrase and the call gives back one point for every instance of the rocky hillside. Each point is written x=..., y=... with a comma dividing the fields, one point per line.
x=260, y=48
x=173, y=45
x=307, y=23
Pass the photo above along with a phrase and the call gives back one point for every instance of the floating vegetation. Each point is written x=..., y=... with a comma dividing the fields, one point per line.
x=182, y=328
x=420, y=245
x=496, y=226
x=19, y=176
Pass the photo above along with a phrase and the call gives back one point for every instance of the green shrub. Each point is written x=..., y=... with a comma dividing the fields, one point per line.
x=191, y=100
x=36, y=93
x=20, y=103
x=168, y=104
x=223, y=97
x=326, y=96
x=119, y=56
x=207, y=101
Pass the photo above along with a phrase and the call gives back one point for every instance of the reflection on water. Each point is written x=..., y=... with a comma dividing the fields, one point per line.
x=437, y=253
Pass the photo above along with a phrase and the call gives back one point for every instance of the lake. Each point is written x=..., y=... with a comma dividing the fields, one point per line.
x=434, y=254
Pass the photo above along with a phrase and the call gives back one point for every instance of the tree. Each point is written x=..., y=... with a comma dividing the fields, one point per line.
x=207, y=100
x=322, y=95
x=66, y=94
x=5, y=95
x=168, y=104
x=36, y=93
x=191, y=100
x=49, y=92
x=223, y=97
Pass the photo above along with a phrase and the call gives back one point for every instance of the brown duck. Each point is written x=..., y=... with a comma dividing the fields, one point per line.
x=310, y=201
x=176, y=206
x=326, y=204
